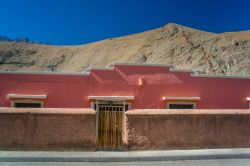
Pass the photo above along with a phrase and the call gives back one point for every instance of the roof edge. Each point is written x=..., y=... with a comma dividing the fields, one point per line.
x=141, y=64
x=173, y=69
x=42, y=73
x=86, y=72
x=220, y=76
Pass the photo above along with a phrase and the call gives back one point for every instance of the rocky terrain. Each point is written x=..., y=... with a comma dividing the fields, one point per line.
x=183, y=47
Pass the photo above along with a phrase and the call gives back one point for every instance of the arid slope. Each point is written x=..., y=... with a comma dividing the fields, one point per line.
x=183, y=47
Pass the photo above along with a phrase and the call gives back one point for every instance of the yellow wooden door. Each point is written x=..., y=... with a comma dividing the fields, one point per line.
x=110, y=127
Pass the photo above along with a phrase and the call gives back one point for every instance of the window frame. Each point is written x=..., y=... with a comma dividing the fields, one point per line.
x=106, y=102
x=13, y=102
x=182, y=102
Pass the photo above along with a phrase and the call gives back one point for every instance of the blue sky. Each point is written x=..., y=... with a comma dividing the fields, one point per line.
x=72, y=22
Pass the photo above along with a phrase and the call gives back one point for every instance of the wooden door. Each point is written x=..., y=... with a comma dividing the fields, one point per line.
x=110, y=119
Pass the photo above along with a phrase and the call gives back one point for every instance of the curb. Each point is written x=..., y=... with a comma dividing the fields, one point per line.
x=124, y=159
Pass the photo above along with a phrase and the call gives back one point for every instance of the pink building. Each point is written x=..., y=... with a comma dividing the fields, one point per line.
x=143, y=89
x=140, y=86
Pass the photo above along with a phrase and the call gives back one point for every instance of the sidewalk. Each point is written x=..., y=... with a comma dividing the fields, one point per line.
x=103, y=156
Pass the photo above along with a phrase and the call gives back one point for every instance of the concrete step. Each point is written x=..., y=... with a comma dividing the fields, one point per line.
x=124, y=156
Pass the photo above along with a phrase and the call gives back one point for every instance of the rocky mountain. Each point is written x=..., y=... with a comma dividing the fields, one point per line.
x=183, y=47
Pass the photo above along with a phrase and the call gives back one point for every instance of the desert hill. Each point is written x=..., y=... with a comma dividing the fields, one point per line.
x=185, y=48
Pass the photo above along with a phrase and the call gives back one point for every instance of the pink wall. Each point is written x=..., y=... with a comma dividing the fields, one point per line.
x=72, y=91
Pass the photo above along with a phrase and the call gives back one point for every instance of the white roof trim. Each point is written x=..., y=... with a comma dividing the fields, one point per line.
x=181, y=70
x=140, y=64
x=25, y=96
x=220, y=76
x=248, y=98
x=101, y=68
x=182, y=98
x=43, y=73
x=111, y=98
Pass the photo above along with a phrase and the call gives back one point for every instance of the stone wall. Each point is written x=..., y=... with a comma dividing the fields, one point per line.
x=187, y=129
x=146, y=129
x=47, y=129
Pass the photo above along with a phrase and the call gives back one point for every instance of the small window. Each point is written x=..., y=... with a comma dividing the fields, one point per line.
x=181, y=106
x=27, y=104
x=181, y=102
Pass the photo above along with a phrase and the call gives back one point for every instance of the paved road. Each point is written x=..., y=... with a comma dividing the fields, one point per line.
x=224, y=162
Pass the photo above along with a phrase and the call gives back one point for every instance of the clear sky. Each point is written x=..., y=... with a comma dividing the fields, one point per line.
x=72, y=22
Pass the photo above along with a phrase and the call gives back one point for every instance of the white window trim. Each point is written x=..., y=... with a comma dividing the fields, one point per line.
x=181, y=102
x=13, y=102
x=182, y=98
x=25, y=96
x=111, y=98
x=93, y=103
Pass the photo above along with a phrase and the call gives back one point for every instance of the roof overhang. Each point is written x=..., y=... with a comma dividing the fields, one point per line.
x=181, y=98
x=111, y=98
x=26, y=96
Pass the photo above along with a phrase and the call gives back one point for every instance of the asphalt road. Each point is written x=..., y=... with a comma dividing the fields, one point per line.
x=224, y=162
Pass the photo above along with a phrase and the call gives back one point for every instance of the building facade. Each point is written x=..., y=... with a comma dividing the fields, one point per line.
x=111, y=92
x=141, y=86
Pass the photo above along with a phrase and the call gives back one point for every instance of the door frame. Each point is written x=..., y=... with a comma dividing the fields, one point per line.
x=123, y=119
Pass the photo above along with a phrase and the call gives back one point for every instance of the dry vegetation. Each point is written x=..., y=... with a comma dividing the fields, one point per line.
x=183, y=47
